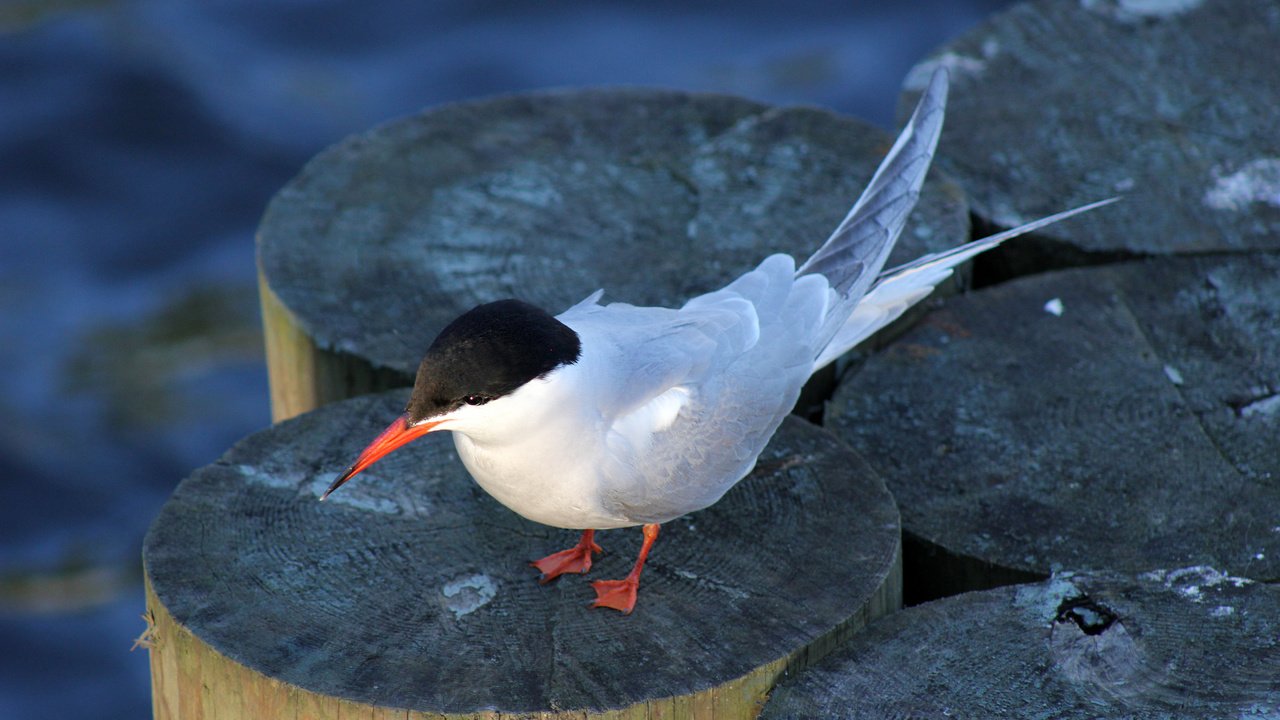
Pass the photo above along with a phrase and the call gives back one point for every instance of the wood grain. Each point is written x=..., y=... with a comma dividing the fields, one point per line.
x=1136, y=430
x=1187, y=643
x=1055, y=104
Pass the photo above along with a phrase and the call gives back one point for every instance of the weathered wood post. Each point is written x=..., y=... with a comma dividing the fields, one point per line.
x=1170, y=105
x=1122, y=417
x=408, y=595
x=1186, y=642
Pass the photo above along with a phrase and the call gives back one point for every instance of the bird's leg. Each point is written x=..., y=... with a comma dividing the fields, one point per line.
x=576, y=559
x=621, y=594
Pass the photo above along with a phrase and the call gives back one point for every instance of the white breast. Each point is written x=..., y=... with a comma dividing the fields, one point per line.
x=539, y=451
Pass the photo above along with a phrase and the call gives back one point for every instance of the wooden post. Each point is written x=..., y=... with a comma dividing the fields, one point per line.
x=1056, y=104
x=302, y=376
x=1189, y=642
x=1121, y=417
x=653, y=196
x=408, y=594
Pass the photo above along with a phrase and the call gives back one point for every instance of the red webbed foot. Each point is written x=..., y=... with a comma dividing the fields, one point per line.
x=576, y=559
x=621, y=594
x=616, y=594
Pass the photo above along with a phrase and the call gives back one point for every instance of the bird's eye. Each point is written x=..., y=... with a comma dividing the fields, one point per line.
x=476, y=399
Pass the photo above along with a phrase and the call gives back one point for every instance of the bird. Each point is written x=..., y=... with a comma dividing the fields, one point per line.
x=614, y=415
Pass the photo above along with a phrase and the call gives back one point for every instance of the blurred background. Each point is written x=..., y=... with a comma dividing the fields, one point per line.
x=140, y=141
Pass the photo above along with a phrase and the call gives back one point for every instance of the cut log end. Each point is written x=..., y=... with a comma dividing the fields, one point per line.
x=1116, y=417
x=1055, y=104
x=410, y=589
x=1189, y=643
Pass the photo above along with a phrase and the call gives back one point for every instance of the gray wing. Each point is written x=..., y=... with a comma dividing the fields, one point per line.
x=701, y=389
x=653, y=350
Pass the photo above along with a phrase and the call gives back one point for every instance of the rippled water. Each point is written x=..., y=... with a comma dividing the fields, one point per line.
x=140, y=142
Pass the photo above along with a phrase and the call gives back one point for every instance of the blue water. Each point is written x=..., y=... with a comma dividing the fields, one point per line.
x=139, y=144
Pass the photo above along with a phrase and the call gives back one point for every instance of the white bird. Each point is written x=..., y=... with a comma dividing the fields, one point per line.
x=609, y=416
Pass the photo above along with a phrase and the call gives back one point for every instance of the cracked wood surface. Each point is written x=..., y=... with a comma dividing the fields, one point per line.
x=408, y=593
x=654, y=196
x=1170, y=104
x=1186, y=642
x=1136, y=430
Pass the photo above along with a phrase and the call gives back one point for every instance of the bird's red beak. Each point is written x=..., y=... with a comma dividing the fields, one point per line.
x=399, y=433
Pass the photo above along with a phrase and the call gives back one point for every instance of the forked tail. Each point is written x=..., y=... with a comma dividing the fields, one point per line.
x=851, y=260
x=898, y=289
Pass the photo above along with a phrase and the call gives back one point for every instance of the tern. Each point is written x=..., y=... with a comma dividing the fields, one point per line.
x=613, y=415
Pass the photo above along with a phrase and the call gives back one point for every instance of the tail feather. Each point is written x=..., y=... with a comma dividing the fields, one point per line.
x=863, y=299
x=956, y=255
x=898, y=289
x=854, y=254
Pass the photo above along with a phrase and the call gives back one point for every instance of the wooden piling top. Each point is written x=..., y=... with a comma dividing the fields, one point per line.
x=1170, y=104
x=1189, y=642
x=1120, y=417
x=409, y=588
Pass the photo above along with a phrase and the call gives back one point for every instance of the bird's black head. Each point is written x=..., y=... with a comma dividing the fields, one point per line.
x=489, y=351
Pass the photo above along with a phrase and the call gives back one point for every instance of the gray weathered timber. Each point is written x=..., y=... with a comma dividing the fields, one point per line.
x=1171, y=104
x=1176, y=643
x=1136, y=430
x=410, y=588
x=652, y=195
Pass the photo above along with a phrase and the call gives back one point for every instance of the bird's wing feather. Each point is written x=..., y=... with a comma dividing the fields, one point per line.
x=654, y=350
x=700, y=390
